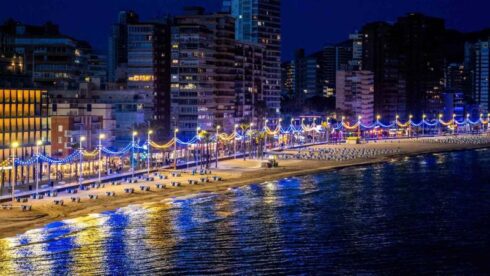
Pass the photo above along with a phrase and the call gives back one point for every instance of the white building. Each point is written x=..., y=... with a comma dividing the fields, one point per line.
x=355, y=95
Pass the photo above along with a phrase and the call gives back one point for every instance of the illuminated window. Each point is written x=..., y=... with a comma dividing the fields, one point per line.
x=141, y=78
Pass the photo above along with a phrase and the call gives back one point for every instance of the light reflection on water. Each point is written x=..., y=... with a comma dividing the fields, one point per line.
x=425, y=213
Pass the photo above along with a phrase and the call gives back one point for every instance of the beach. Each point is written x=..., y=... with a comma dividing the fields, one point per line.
x=234, y=173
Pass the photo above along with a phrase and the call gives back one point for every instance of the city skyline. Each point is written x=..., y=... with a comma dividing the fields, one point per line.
x=316, y=16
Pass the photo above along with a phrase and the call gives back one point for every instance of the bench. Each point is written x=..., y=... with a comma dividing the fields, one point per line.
x=110, y=194
x=129, y=190
x=93, y=197
x=72, y=191
x=150, y=179
x=39, y=196
x=175, y=184
x=145, y=188
x=97, y=185
x=160, y=186
x=6, y=206
x=176, y=174
x=26, y=208
x=217, y=178
x=21, y=199
x=59, y=202
x=84, y=188
x=75, y=199
x=204, y=179
x=192, y=182
x=163, y=176
x=52, y=194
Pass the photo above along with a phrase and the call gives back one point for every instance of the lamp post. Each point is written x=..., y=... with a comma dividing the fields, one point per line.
x=410, y=125
x=251, y=132
x=38, y=144
x=197, y=150
x=14, y=146
x=265, y=136
x=135, y=133
x=291, y=133
x=175, y=148
x=101, y=136
x=148, y=153
x=359, y=126
x=80, y=149
x=440, y=124
x=454, y=124
x=378, y=118
x=217, y=146
x=468, y=122
x=234, y=140
x=279, y=134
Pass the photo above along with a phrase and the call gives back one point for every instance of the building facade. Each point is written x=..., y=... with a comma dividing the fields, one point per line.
x=380, y=57
x=148, y=69
x=259, y=21
x=249, y=62
x=355, y=95
x=478, y=62
x=118, y=47
x=202, y=72
x=24, y=120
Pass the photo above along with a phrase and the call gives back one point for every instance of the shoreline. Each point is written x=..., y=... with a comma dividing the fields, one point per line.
x=235, y=172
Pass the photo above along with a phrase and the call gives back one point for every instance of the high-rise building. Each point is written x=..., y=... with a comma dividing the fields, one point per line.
x=333, y=58
x=477, y=59
x=49, y=57
x=419, y=40
x=118, y=47
x=355, y=94
x=259, y=21
x=148, y=68
x=249, y=58
x=356, y=60
x=379, y=56
x=456, y=78
x=287, y=78
x=202, y=72
x=12, y=70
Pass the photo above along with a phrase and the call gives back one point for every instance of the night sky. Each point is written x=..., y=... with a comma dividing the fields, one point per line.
x=306, y=23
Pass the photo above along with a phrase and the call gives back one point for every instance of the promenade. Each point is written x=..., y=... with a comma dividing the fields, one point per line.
x=164, y=184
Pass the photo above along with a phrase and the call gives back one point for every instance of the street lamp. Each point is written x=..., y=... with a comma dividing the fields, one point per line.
x=423, y=124
x=38, y=144
x=101, y=136
x=454, y=123
x=14, y=146
x=265, y=133
x=80, y=149
x=359, y=126
x=148, y=155
x=440, y=124
x=197, y=150
x=135, y=133
x=217, y=141
x=234, y=140
x=175, y=148
x=251, y=133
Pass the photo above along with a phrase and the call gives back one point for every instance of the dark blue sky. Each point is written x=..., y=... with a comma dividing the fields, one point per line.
x=306, y=23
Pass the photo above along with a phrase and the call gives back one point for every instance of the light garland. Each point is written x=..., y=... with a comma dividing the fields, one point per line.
x=224, y=137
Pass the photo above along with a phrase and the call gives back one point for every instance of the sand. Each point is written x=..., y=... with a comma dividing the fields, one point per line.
x=235, y=173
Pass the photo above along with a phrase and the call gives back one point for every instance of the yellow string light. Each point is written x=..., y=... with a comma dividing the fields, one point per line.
x=163, y=146
x=90, y=153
